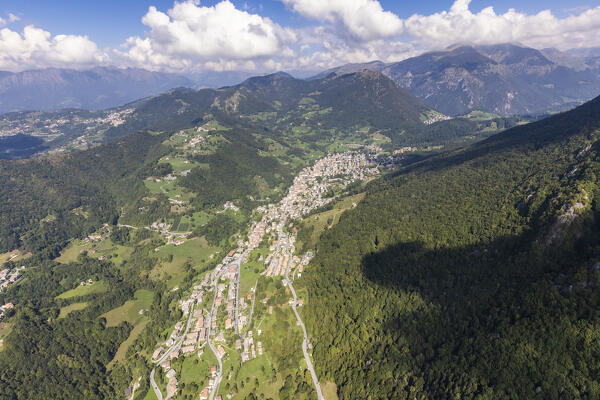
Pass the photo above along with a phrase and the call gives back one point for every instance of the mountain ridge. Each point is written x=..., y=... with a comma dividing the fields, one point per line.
x=92, y=89
x=506, y=79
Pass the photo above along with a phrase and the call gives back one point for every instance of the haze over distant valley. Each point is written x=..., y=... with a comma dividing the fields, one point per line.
x=299, y=200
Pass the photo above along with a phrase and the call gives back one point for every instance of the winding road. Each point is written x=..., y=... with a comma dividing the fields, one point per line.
x=252, y=308
x=220, y=367
x=157, y=391
x=305, y=340
x=176, y=345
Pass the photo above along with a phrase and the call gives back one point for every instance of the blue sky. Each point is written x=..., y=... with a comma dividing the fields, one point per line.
x=109, y=22
x=270, y=34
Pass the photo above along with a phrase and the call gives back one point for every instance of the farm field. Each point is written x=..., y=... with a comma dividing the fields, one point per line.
x=197, y=250
x=103, y=248
x=5, y=328
x=85, y=290
x=186, y=223
x=66, y=310
x=122, y=350
x=327, y=219
x=15, y=255
x=330, y=391
x=129, y=311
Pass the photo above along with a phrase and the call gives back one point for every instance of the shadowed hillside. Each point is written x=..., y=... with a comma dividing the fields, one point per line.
x=471, y=275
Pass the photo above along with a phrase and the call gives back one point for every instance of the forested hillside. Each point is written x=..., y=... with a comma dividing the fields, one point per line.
x=470, y=275
x=352, y=108
x=46, y=201
x=438, y=282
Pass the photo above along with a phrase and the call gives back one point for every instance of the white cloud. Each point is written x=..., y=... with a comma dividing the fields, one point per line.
x=544, y=29
x=324, y=48
x=36, y=48
x=360, y=30
x=363, y=19
x=190, y=35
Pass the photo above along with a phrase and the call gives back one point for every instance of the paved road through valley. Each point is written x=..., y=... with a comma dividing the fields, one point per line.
x=176, y=345
x=157, y=391
x=305, y=340
x=220, y=367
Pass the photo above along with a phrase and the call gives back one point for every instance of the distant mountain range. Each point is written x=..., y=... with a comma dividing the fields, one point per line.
x=347, y=107
x=505, y=79
x=94, y=89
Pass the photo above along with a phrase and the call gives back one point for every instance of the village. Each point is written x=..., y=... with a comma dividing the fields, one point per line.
x=9, y=277
x=216, y=318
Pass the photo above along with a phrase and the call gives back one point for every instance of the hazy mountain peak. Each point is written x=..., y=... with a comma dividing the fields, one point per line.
x=96, y=88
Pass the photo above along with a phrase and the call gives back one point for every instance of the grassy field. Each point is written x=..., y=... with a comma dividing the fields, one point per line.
x=197, y=250
x=130, y=310
x=187, y=223
x=179, y=164
x=96, y=287
x=197, y=370
x=259, y=368
x=15, y=255
x=122, y=350
x=64, y=311
x=169, y=188
x=171, y=271
x=327, y=219
x=5, y=328
x=116, y=253
x=480, y=115
x=248, y=277
x=150, y=395
x=329, y=391
x=71, y=253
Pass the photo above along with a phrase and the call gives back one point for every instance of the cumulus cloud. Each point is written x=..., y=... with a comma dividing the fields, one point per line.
x=460, y=24
x=363, y=19
x=323, y=48
x=37, y=48
x=361, y=30
x=191, y=36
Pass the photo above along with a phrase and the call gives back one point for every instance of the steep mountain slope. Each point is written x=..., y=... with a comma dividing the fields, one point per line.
x=469, y=275
x=505, y=79
x=344, y=104
x=351, y=68
x=93, y=89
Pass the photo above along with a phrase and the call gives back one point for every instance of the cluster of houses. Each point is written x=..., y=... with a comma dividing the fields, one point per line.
x=205, y=393
x=5, y=308
x=248, y=350
x=9, y=276
x=36, y=125
x=278, y=262
x=306, y=194
x=174, y=238
x=229, y=206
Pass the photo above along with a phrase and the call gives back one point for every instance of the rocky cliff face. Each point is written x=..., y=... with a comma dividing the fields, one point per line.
x=505, y=79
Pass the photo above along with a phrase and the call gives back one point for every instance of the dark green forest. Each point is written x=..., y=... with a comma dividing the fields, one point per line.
x=46, y=201
x=469, y=275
